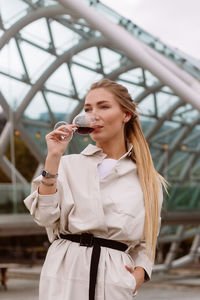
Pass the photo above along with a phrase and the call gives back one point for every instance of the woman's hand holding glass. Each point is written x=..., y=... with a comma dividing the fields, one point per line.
x=58, y=139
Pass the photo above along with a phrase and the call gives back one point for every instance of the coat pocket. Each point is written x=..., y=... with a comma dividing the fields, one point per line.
x=133, y=280
x=128, y=201
x=129, y=213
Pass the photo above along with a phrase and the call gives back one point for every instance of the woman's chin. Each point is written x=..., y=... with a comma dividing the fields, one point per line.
x=98, y=137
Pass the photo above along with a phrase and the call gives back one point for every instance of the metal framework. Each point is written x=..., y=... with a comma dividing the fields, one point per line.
x=50, y=54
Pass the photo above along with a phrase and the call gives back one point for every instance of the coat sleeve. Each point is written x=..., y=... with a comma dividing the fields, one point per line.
x=43, y=208
x=141, y=259
x=138, y=253
x=46, y=209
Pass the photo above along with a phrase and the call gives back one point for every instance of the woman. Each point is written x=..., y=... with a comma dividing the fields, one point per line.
x=101, y=208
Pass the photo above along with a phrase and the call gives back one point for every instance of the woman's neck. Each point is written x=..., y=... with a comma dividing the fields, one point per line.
x=113, y=149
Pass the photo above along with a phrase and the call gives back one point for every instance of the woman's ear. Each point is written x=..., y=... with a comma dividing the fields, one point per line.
x=127, y=116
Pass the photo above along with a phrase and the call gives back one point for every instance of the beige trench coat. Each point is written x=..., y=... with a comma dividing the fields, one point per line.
x=111, y=208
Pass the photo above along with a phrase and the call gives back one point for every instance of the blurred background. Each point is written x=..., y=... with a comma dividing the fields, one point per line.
x=50, y=55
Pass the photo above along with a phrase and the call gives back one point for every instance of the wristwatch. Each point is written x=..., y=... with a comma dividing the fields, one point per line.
x=46, y=174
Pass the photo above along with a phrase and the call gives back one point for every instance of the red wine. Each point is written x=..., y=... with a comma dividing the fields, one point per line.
x=84, y=130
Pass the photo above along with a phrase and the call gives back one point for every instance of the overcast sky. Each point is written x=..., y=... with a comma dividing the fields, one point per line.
x=175, y=22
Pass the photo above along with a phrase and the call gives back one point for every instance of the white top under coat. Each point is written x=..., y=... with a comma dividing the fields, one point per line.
x=106, y=166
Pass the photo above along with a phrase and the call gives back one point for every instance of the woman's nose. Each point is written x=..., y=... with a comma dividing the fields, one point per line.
x=95, y=116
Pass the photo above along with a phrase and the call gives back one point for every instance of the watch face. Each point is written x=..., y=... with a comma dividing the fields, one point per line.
x=44, y=173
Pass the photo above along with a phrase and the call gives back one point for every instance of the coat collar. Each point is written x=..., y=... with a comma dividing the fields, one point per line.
x=92, y=149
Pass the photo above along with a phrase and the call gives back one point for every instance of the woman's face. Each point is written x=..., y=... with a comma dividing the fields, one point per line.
x=110, y=118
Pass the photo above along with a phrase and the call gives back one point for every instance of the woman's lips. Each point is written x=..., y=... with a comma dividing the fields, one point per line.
x=97, y=127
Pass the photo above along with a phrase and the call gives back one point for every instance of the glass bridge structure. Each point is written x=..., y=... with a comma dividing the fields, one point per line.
x=51, y=52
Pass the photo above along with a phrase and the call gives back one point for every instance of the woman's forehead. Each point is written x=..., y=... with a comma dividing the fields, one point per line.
x=99, y=94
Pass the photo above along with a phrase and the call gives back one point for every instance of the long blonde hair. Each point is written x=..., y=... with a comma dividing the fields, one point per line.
x=150, y=179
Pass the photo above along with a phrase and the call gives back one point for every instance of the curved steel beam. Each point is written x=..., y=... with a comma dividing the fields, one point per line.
x=5, y=137
x=182, y=74
x=30, y=143
x=134, y=49
x=4, y=105
x=8, y=168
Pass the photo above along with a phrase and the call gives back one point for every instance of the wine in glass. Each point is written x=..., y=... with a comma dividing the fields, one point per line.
x=84, y=124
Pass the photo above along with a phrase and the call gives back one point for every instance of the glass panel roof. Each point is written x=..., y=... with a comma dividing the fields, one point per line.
x=134, y=90
x=61, y=106
x=164, y=102
x=36, y=60
x=147, y=106
x=37, y=108
x=110, y=59
x=83, y=77
x=10, y=61
x=136, y=76
x=37, y=32
x=13, y=90
x=63, y=37
x=13, y=11
x=88, y=57
x=60, y=81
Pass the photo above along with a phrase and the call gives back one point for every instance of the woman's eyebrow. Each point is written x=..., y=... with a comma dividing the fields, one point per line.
x=99, y=102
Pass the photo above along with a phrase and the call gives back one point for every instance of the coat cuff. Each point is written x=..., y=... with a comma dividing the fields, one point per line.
x=147, y=270
x=141, y=259
x=48, y=200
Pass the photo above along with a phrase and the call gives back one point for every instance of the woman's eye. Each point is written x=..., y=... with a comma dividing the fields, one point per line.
x=87, y=109
x=105, y=106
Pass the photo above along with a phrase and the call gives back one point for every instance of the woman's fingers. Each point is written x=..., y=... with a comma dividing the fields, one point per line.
x=56, y=135
x=62, y=133
x=58, y=139
x=129, y=268
x=66, y=128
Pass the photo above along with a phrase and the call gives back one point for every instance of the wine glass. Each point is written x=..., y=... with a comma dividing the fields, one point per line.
x=83, y=124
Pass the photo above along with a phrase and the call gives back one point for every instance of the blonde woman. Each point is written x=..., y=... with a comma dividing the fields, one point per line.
x=101, y=208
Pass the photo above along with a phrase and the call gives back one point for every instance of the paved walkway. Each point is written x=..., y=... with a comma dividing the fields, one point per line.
x=23, y=285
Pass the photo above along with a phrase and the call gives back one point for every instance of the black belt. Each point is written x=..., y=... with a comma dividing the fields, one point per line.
x=88, y=240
